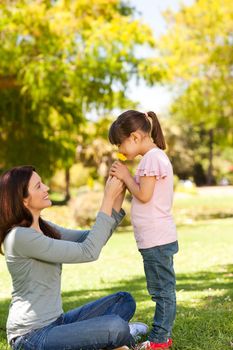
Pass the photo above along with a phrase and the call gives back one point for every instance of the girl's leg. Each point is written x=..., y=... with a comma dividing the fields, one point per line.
x=121, y=304
x=102, y=332
x=161, y=282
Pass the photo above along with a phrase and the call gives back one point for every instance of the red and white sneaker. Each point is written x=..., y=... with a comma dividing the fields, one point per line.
x=149, y=345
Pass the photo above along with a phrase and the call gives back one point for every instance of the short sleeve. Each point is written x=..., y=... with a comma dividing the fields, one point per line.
x=154, y=163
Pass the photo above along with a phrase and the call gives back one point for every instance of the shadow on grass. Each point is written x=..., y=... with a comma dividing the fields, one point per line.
x=199, y=326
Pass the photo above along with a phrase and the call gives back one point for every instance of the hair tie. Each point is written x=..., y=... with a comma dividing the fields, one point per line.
x=150, y=121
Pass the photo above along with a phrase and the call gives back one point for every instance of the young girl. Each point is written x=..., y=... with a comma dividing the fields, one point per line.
x=137, y=133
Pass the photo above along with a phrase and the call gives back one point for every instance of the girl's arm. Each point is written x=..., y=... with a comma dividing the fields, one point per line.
x=144, y=191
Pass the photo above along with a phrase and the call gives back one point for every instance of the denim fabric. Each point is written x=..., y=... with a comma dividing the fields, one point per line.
x=161, y=284
x=96, y=325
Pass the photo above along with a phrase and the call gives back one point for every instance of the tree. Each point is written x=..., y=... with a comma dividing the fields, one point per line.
x=195, y=56
x=94, y=150
x=59, y=61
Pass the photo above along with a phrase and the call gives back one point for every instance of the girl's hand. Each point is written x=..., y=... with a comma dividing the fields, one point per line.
x=119, y=170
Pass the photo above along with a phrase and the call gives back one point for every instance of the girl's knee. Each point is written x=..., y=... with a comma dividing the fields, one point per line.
x=158, y=294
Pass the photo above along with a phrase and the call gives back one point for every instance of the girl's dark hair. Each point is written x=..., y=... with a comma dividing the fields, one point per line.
x=13, y=190
x=131, y=121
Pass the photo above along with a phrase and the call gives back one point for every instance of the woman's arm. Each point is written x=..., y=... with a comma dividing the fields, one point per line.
x=113, y=195
x=30, y=243
x=69, y=234
x=119, y=200
x=75, y=235
x=33, y=244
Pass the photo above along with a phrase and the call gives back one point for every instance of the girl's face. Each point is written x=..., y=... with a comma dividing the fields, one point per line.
x=129, y=147
x=38, y=198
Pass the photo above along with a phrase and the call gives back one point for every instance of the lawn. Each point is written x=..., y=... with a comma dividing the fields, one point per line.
x=204, y=267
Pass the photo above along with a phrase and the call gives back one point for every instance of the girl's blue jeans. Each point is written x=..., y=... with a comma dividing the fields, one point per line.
x=102, y=324
x=161, y=285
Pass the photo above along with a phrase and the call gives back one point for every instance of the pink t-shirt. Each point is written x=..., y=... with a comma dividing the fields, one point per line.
x=152, y=221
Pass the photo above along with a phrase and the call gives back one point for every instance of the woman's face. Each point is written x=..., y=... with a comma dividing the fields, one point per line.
x=38, y=198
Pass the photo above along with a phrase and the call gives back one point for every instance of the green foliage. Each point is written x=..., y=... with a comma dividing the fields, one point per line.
x=194, y=57
x=59, y=61
x=78, y=177
x=198, y=50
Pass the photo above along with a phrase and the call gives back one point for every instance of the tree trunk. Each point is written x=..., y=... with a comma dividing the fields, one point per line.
x=8, y=82
x=210, y=177
x=67, y=179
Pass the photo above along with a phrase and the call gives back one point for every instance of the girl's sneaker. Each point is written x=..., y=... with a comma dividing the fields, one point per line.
x=137, y=329
x=149, y=345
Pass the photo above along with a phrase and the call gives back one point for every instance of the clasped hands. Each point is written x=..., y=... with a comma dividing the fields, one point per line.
x=117, y=176
x=119, y=170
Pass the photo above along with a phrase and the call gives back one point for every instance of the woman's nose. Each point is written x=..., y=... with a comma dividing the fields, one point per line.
x=46, y=188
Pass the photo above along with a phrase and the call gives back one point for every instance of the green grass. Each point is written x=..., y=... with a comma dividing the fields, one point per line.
x=204, y=277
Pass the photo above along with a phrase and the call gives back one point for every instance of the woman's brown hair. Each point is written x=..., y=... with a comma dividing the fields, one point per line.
x=13, y=190
x=131, y=121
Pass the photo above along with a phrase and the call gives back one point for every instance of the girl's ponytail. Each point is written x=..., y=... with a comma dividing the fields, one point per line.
x=156, y=131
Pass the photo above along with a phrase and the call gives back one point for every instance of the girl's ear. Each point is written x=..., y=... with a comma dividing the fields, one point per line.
x=136, y=136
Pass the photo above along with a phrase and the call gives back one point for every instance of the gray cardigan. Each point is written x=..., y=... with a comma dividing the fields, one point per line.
x=34, y=262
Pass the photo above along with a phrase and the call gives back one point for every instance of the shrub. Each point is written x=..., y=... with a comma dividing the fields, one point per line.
x=87, y=205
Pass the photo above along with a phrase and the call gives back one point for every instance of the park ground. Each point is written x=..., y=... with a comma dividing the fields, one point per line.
x=204, y=267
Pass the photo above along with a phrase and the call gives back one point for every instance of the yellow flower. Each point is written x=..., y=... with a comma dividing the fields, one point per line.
x=121, y=157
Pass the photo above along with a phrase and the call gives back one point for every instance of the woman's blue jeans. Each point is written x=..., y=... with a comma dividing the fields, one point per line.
x=161, y=285
x=102, y=324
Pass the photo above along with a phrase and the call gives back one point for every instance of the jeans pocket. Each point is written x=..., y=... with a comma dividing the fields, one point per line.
x=17, y=344
x=169, y=249
x=25, y=343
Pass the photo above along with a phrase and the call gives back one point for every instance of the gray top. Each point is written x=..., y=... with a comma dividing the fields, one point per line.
x=34, y=262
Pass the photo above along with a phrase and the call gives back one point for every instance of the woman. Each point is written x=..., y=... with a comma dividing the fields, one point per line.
x=34, y=251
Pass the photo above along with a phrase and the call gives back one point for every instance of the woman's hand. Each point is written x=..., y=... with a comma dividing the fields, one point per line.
x=119, y=170
x=112, y=192
x=119, y=200
x=113, y=187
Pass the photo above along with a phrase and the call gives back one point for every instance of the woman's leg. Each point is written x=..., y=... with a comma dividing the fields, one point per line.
x=161, y=282
x=99, y=324
x=121, y=304
x=102, y=332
